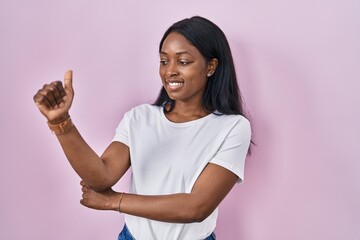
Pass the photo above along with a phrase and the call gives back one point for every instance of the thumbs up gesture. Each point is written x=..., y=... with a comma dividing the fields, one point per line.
x=54, y=99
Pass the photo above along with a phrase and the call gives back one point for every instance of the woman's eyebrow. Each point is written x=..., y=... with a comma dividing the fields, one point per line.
x=178, y=53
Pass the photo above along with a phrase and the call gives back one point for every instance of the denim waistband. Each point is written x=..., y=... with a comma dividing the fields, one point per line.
x=126, y=235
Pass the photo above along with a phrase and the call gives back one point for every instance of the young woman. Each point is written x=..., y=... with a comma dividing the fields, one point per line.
x=186, y=151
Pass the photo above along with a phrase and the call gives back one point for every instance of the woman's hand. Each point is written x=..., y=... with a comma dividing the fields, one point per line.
x=54, y=100
x=106, y=200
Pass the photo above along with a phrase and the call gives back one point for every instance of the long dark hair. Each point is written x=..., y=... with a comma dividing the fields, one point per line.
x=222, y=91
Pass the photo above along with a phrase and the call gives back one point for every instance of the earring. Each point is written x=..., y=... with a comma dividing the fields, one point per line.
x=209, y=74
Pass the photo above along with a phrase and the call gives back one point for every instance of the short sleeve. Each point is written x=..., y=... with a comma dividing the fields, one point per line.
x=122, y=131
x=233, y=151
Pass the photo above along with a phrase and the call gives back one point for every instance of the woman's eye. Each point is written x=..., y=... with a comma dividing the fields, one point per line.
x=182, y=62
x=163, y=62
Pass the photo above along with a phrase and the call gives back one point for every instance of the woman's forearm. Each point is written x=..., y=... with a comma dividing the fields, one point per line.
x=213, y=184
x=87, y=164
x=175, y=208
x=54, y=101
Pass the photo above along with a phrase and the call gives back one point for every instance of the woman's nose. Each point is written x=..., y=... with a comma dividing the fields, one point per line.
x=172, y=70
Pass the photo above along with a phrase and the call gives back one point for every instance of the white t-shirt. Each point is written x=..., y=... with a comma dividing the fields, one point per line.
x=168, y=157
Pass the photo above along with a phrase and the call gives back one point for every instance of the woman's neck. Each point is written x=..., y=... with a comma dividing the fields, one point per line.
x=185, y=112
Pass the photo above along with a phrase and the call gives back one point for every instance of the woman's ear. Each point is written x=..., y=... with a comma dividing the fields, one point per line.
x=212, y=65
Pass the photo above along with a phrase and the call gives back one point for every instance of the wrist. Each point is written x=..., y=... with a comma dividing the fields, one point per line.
x=119, y=202
x=59, y=119
x=62, y=127
x=115, y=201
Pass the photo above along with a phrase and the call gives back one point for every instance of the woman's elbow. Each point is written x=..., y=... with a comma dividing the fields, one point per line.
x=199, y=213
x=100, y=185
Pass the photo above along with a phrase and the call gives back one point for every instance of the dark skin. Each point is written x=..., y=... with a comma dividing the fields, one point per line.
x=183, y=71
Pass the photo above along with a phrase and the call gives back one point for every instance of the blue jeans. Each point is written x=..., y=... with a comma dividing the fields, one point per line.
x=126, y=235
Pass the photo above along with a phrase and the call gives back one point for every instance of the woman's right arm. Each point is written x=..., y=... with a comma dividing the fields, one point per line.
x=54, y=102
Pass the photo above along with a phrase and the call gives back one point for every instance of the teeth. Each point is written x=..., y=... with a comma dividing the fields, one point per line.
x=173, y=84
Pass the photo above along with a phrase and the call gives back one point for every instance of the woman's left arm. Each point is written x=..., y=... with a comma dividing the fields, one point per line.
x=213, y=184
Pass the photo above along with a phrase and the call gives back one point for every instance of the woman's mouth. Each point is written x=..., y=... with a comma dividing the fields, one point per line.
x=174, y=85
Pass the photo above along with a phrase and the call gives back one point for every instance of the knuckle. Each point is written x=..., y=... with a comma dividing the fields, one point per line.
x=38, y=98
x=39, y=91
x=47, y=93
x=49, y=87
x=58, y=83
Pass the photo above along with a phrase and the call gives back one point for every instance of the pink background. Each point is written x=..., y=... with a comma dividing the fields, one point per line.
x=298, y=64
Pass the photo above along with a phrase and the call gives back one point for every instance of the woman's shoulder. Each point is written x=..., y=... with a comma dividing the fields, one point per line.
x=233, y=118
x=236, y=122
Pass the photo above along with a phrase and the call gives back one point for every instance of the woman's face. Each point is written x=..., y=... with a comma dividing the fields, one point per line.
x=183, y=69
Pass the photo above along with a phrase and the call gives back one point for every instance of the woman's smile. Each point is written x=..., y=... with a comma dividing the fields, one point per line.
x=173, y=85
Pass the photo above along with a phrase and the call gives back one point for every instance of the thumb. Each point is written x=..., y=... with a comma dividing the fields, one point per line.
x=68, y=83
